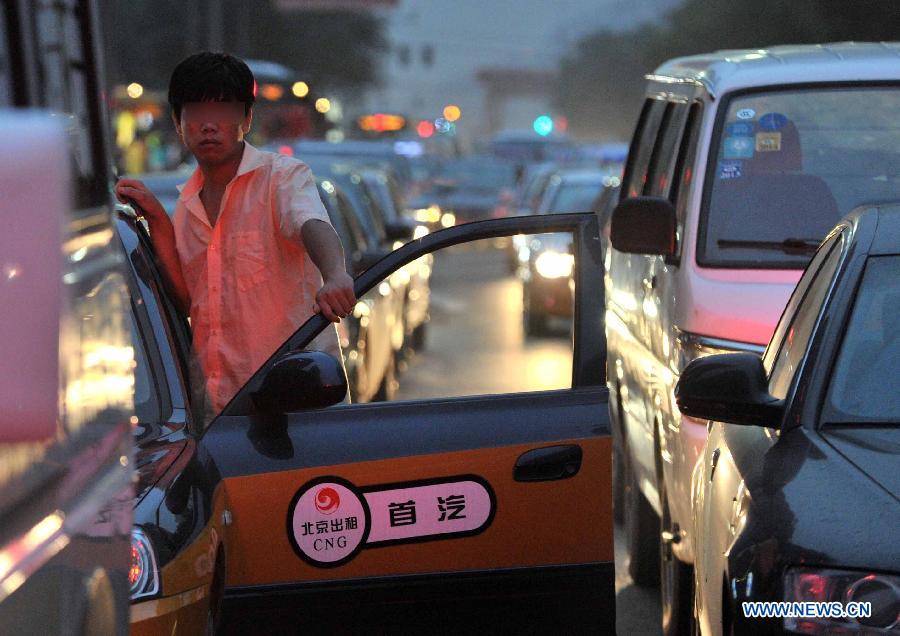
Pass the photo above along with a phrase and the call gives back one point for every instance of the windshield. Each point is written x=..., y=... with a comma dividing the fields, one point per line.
x=790, y=164
x=860, y=388
x=575, y=197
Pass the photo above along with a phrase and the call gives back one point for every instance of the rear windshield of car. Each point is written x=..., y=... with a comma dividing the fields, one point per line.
x=869, y=357
x=575, y=197
x=788, y=165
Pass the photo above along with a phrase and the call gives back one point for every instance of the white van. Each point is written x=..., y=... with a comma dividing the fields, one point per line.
x=740, y=164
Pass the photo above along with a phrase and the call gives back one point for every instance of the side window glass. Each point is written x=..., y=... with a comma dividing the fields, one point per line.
x=662, y=165
x=800, y=330
x=642, y=147
x=684, y=170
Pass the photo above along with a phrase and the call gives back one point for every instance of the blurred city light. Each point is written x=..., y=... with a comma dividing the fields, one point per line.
x=134, y=90
x=272, y=92
x=452, y=112
x=425, y=129
x=381, y=122
x=300, y=89
x=323, y=105
x=543, y=125
x=442, y=125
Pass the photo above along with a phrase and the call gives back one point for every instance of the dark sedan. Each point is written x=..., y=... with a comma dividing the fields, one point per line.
x=796, y=496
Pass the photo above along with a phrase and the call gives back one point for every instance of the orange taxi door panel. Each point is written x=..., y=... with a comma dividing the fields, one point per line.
x=534, y=523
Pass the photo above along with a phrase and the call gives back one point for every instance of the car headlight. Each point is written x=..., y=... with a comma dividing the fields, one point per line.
x=881, y=591
x=448, y=219
x=420, y=231
x=143, y=575
x=554, y=264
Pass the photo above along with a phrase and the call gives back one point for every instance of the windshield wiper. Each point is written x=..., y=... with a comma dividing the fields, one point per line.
x=788, y=245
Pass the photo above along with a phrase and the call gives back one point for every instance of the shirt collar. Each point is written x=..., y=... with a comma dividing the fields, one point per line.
x=250, y=161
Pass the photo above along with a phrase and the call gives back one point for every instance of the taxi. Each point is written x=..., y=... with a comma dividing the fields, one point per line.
x=479, y=508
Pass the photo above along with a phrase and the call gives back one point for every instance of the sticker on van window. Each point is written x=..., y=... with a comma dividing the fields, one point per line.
x=738, y=147
x=746, y=113
x=768, y=142
x=772, y=121
x=330, y=520
x=730, y=169
x=739, y=129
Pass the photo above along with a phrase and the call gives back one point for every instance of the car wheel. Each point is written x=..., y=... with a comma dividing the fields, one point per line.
x=676, y=579
x=387, y=390
x=641, y=532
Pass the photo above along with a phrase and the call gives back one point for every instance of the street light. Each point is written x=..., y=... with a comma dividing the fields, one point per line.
x=300, y=89
x=323, y=105
x=134, y=90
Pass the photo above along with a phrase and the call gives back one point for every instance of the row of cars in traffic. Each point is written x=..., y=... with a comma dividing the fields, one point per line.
x=756, y=457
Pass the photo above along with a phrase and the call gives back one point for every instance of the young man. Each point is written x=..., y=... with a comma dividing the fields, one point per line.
x=251, y=253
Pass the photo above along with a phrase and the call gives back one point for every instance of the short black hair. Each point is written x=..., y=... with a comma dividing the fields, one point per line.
x=211, y=77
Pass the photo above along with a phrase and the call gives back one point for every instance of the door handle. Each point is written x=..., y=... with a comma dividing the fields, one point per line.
x=549, y=463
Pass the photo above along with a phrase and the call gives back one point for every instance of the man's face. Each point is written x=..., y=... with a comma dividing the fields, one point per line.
x=213, y=131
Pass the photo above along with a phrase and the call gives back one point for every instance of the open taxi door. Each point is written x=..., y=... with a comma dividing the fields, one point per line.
x=472, y=506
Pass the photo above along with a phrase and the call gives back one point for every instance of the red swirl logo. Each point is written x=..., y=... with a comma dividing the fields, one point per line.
x=327, y=501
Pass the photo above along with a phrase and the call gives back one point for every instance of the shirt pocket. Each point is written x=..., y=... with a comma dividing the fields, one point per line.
x=250, y=267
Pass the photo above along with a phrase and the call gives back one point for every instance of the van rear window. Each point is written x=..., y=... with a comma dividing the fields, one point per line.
x=789, y=165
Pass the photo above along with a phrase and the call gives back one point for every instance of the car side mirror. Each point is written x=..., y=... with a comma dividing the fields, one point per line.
x=644, y=225
x=301, y=380
x=728, y=387
x=399, y=231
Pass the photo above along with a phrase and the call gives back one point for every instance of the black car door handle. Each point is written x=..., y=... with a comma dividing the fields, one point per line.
x=547, y=464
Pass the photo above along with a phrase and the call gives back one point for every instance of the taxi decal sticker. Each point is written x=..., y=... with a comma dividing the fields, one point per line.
x=768, y=142
x=739, y=129
x=746, y=113
x=731, y=169
x=738, y=147
x=772, y=121
x=330, y=520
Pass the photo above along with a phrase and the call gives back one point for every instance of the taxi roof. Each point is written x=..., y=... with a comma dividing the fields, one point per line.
x=724, y=71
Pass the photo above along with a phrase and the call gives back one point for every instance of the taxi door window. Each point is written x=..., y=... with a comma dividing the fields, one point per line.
x=662, y=165
x=459, y=323
x=641, y=150
x=802, y=324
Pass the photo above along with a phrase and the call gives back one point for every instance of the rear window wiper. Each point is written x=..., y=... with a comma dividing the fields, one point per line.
x=788, y=245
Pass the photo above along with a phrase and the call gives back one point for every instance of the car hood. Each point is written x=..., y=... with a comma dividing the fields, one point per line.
x=875, y=451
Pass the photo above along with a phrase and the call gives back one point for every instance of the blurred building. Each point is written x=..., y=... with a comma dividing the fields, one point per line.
x=496, y=60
